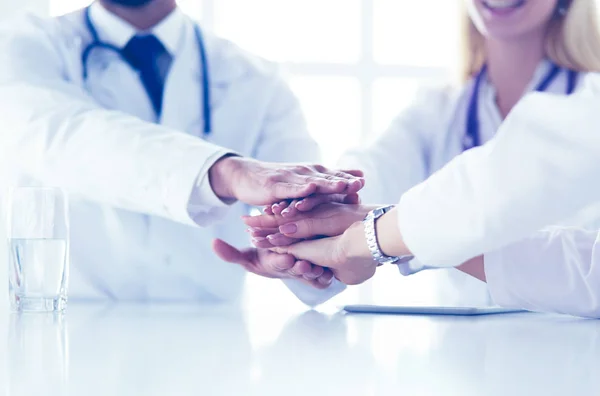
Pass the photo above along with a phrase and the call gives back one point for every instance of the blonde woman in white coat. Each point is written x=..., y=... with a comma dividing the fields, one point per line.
x=513, y=47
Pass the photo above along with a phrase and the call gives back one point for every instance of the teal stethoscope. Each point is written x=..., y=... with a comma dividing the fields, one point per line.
x=472, y=137
x=97, y=44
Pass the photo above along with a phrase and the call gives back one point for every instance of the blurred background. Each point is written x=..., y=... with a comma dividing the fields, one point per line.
x=354, y=64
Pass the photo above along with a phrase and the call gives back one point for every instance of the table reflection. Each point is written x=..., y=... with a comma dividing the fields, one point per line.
x=173, y=350
x=161, y=350
x=38, y=355
x=314, y=355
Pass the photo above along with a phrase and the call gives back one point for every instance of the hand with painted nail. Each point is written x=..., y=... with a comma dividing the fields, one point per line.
x=346, y=255
x=329, y=219
x=261, y=183
x=290, y=208
x=274, y=265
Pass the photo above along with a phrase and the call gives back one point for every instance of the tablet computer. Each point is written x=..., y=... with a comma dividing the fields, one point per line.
x=453, y=311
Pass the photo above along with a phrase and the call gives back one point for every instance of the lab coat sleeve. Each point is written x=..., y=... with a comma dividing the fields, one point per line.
x=285, y=138
x=399, y=158
x=555, y=270
x=541, y=167
x=56, y=134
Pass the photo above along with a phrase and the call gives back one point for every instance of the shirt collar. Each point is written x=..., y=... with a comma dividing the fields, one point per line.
x=116, y=31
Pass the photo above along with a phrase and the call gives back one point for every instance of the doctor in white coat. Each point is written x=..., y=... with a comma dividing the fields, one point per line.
x=148, y=122
x=537, y=170
x=511, y=48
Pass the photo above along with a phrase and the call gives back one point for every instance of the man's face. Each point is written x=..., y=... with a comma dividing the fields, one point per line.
x=130, y=3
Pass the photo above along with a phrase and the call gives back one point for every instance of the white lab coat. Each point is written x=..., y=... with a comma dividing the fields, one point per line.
x=134, y=225
x=424, y=138
x=540, y=168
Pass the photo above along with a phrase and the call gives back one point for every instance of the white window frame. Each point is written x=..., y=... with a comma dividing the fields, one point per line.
x=366, y=70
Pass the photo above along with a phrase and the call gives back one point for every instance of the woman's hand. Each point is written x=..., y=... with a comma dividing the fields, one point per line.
x=347, y=255
x=290, y=208
x=329, y=219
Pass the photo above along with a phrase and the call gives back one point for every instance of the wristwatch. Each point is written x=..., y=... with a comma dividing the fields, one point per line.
x=372, y=242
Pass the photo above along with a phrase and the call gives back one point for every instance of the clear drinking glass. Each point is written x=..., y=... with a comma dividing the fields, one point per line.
x=38, y=242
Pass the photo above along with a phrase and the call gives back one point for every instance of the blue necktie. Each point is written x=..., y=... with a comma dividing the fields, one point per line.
x=149, y=57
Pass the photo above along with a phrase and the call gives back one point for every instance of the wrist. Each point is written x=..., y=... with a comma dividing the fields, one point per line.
x=222, y=176
x=355, y=243
x=389, y=237
x=364, y=210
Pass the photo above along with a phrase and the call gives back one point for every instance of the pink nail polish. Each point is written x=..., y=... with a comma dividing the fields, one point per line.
x=288, y=228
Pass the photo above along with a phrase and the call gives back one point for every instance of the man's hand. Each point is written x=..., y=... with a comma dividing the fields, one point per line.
x=273, y=265
x=347, y=255
x=329, y=219
x=260, y=183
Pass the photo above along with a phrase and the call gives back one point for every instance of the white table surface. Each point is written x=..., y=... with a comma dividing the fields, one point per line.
x=195, y=350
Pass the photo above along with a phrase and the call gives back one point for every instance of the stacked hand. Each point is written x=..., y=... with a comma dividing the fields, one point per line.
x=261, y=183
x=329, y=235
x=298, y=188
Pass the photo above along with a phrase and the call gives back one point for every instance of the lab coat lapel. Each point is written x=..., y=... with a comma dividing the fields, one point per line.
x=182, y=106
x=111, y=82
x=116, y=86
x=182, y=100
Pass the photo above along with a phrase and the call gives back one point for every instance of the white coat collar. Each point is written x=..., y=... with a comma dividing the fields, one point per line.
x=489, y=92
x=227, y=66
x=116, y=31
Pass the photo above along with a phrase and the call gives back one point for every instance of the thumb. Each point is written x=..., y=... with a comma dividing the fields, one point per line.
x=228, y=253
x=352, y=199
x=322, y=252
x=311, y=227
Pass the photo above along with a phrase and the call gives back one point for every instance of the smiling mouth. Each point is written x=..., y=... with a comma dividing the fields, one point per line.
x=503, y=5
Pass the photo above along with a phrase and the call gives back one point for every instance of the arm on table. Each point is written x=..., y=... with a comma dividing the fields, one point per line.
x=554, y=270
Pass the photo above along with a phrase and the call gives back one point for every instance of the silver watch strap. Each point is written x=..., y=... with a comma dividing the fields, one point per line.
x=372, y=241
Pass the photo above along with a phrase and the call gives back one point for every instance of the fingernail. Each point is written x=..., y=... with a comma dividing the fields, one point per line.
x=324, y=281
x=285, y=211
x=288, y=228
x=258, y=239
x=300, y=203
x=273, y=236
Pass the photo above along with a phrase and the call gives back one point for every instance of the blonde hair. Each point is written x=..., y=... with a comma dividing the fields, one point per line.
x=572, y=40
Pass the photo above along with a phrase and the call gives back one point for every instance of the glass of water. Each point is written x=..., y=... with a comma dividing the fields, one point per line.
x=38, y=242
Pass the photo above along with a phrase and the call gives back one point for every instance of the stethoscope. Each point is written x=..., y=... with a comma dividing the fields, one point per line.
x=96, y=43
x=472, y=137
